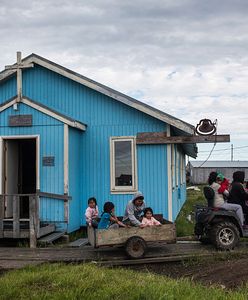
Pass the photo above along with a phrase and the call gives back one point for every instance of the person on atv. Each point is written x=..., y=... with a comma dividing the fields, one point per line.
x=237, y=194
x=215, y=183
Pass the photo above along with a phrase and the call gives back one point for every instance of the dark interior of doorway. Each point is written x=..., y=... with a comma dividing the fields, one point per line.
x=26, y=173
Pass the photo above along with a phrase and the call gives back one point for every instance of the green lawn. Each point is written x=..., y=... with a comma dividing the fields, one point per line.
x=88, y=281
x=183, y=225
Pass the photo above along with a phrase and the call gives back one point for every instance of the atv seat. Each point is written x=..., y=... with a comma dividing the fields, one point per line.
x=209, y=195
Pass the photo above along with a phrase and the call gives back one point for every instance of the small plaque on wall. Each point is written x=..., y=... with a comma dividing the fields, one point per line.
x=48, y=161
x=20, y=120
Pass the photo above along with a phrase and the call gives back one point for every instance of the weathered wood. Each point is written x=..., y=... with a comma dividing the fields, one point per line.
x=54, y=196
x=16, y=216
x=66, y=211
x=18, y=68
x=1, y=215
x=119, y=236
x=151, y=135
x=46, y=230
x=24, y=233
x=37, y=215
x=191, y=139
x=51, y=237
x=79, y=243
x=32, y=223
x=91, y=233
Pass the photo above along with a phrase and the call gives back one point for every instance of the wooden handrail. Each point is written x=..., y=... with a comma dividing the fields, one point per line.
x=41, y=194
x=54, y=196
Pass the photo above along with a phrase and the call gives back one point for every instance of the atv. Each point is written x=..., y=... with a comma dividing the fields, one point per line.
x=217, y=226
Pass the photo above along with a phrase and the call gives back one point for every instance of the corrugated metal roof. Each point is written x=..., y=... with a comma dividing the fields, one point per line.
x=219, y=164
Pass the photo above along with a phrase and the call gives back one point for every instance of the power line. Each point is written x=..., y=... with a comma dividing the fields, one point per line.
x=224, y=149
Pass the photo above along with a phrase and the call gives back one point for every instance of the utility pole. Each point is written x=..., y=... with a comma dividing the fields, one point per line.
x=231, y=152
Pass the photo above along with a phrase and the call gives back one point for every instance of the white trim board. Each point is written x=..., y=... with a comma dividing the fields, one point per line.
x=169, y=176
x=45, y=111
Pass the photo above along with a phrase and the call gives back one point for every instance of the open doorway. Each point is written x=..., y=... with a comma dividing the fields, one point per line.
x=19, y=172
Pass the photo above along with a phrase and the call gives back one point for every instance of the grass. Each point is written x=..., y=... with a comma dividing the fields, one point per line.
x=184, y=226
x=56, y=281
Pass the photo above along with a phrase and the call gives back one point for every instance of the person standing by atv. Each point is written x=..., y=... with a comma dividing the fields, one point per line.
x=215, y=183
x=237, y=194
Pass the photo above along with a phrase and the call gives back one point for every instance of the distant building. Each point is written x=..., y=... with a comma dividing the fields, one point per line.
x=198, y=171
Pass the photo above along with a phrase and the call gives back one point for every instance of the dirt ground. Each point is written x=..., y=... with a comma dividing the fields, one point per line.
x=229, y=274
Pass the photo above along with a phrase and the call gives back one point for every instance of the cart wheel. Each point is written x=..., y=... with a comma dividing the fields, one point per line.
x=135, y=247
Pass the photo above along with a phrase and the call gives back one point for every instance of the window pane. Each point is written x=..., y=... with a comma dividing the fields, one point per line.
x=123, y=163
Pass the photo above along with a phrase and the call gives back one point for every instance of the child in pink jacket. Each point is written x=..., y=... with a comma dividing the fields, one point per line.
x=91, y=213
x=148, y=219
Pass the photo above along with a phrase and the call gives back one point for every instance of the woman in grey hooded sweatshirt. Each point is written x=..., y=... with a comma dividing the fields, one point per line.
x=134, y=210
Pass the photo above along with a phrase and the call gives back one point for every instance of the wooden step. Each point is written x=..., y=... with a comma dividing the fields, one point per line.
x=48, y=239
x=45, y=230
x=79, y=243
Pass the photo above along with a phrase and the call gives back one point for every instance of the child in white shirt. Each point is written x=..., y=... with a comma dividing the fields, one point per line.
x=91, y=213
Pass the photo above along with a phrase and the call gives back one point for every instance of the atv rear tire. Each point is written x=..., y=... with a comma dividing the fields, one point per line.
x=224, y=235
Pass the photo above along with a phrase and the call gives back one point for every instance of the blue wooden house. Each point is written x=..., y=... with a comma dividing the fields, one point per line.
x=65, y=138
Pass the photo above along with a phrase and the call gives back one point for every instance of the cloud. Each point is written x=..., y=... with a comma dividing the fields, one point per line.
x=187, y=58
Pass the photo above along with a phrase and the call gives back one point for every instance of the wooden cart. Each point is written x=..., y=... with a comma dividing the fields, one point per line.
x=134, y=239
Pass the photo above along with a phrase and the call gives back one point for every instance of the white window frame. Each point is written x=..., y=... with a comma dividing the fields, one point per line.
x=123, y=189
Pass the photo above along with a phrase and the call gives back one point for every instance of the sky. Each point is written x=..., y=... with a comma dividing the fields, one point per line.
x=188, y=58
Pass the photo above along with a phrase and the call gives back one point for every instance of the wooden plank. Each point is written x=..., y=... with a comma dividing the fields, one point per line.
x=151, y=135
x=191, y=139
x=66, y=212
x=46, y=230
x=54, y=196
x=37, y=215
x=32, y=223
x=1, y=215
x=119, y=236
x=51, y=237
x=24, y=233
x=91, y=233
x=79, y=243
x=16, y=216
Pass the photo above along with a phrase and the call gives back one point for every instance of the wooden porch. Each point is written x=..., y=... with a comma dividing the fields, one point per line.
x=30, y=226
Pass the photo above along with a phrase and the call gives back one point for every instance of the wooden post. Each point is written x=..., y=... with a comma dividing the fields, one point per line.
x=66, y=211
x=1, y=215
x=32, y=222
x=37, y=215
x=16, y=216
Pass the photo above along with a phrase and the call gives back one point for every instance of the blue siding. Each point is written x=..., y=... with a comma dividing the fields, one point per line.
x=179, y=185
x=89, y=151
x=152, y=176
x=51, y=134
x=76, y=173
x=8, y=89
x=96, y=162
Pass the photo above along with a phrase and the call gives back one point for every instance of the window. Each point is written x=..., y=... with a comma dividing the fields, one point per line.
x=123, y=164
